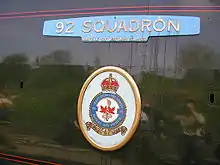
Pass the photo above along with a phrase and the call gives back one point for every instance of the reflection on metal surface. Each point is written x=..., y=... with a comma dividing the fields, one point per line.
x=168, y=72
x=109, y=108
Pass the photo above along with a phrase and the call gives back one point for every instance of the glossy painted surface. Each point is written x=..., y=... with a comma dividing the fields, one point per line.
x=41, y=78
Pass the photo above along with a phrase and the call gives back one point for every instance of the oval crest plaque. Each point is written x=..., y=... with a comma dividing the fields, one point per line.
x=109, y=108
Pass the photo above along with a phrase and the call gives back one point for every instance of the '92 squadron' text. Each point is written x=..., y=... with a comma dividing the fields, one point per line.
x=101, y=26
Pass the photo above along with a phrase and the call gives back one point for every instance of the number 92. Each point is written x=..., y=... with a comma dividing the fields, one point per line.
x=64, y=27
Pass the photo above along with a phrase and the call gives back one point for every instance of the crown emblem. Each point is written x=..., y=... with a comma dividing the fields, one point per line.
x=110, y=84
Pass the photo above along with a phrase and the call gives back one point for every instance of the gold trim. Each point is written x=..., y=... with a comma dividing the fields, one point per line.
x=137, y=102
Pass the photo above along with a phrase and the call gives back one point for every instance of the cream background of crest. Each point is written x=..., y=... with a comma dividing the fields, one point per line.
x=125, y=91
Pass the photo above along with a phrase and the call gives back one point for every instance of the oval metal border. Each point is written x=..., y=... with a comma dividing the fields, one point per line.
x=137, y=102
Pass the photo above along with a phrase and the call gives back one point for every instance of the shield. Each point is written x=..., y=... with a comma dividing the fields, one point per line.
x=109, y=108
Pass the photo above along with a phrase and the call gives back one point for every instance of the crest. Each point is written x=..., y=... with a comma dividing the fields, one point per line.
x=109, y=108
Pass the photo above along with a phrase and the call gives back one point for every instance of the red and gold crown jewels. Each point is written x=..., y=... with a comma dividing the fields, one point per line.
x=110, y=84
